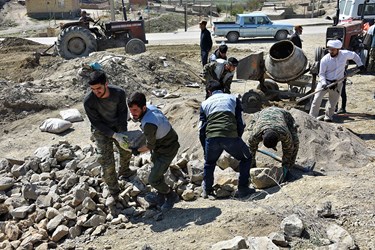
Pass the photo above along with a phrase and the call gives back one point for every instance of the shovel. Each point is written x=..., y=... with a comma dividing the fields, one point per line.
x=355, y=71
x=305, y=169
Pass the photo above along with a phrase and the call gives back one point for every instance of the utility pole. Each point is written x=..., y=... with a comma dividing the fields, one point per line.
x=211, y=13
x=185, y=16
x=313, y=7
x=112, y=8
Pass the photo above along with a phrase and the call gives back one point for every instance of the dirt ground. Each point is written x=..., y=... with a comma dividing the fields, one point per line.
x=31, y=93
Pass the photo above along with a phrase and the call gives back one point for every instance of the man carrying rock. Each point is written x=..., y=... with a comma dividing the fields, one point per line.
x=221, y=71
x=270, y=126
x=332, y=68
x=105, y=106
x=161, y=140
x=221, y=127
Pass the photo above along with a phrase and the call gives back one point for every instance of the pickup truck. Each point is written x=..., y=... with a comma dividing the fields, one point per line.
x=254, y=24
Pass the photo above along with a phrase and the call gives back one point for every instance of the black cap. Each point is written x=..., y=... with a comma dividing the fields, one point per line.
x=213, y=85
x=223, y=48
x=233, y=61
x=270, y=138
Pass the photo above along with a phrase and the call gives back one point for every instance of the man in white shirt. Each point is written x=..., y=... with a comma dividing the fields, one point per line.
x=332, y=68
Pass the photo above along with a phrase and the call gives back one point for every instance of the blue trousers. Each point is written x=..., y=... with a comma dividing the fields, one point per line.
x=204, y=57
x=237, y=148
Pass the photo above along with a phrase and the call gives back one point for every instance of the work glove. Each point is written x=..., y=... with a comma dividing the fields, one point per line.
x=333, y=87
x=325, y=86
x=122, y=140
x=362, y=69
x=135, y=151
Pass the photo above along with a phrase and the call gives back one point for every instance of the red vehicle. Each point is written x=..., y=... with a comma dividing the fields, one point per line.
x=76, y=39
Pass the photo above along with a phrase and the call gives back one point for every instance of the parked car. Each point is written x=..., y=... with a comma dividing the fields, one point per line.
x=255, y=24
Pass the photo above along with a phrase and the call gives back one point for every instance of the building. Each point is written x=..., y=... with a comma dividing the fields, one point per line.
x=53, y=9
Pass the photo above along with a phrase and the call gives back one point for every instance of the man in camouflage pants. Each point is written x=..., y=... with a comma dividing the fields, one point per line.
x=106, y=108
x=272, y=125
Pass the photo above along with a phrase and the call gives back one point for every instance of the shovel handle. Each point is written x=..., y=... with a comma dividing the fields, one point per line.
x=330, y=85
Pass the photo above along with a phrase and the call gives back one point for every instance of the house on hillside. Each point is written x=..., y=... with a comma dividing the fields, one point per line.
x=53, y=9
x=138, y=2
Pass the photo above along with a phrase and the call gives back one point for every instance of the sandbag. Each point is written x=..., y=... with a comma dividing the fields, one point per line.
x=55, y=125
x=72, y=115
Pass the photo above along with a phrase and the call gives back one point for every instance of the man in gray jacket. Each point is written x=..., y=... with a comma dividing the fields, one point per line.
x=221, y=127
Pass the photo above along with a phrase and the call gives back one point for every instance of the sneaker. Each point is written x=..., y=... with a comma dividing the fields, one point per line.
x=207, y=193
x=341, y=111
x=155, y=199
x=327, y=119
x=127, y=174
x=244, y=192
x=171, y=199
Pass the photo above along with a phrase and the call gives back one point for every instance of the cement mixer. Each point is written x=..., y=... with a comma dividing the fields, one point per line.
x=285, y=63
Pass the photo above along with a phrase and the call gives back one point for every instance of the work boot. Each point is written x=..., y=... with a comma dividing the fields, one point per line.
x=113, y=199
x=244, y=192
x=171, y=199
x=127, y=174
x=341, y=111
x=207, y=193
x=327, y=119
x=155, y=199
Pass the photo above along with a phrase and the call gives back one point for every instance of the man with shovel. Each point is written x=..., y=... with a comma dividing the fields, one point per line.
x=270, y=126
x=332, y=68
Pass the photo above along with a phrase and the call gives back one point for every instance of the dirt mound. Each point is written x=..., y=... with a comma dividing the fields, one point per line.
x=16, y=41
x=331, y=145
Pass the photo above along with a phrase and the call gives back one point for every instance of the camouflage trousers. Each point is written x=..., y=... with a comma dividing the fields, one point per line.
x=106, y=158
x=161, y=164
x=371, y=65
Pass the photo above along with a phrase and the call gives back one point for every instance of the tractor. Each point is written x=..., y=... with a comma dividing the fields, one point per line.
x=351, y=35
x=77, y=39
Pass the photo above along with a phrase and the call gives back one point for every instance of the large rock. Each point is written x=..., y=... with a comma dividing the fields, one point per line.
x=236, y=243
x=227, y=161
x=261, y=243
x=265, y=177
x=341, y=237
x=292, y=226
x=6, y=183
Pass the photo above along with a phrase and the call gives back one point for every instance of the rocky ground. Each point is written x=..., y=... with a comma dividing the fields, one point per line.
x=335, y=202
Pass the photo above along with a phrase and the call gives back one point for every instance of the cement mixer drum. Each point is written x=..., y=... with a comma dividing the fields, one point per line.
x=285, y=62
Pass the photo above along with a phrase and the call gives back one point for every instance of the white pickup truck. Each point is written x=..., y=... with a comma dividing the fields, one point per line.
x=254, y=24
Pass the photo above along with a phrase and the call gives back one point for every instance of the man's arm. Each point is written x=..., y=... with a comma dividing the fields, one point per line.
x=227, y=84
x=238, y=115
x=122, y=113
x=150, y=134
x=287, y=146
x=202, y=127
x=255, y=136
x=209, y=71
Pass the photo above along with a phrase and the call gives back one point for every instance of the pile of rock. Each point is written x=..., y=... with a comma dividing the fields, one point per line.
x=292, y=231
x=58, y=193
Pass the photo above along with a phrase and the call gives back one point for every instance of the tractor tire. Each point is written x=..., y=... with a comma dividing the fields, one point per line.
x=281, y=35
x=75, y=42
x=252, y=101
x=267, y=88
x=319, y=53
x=233, y=37
x=135, y=46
